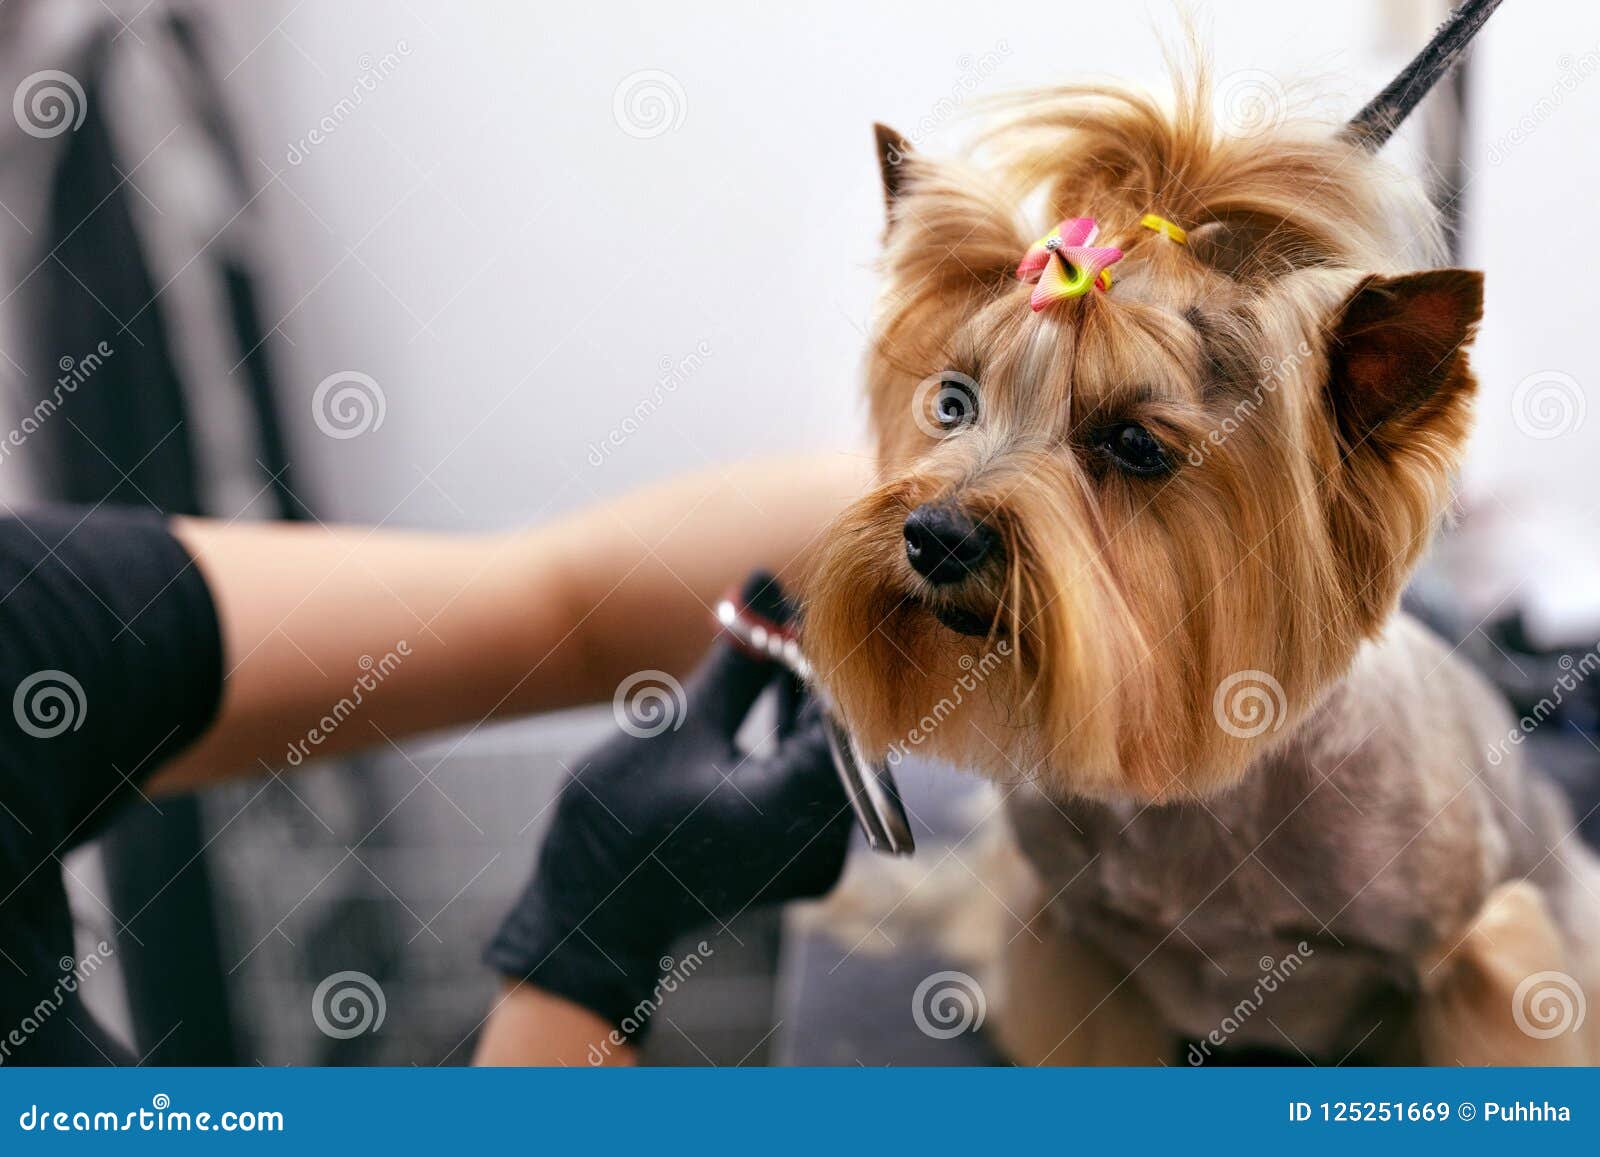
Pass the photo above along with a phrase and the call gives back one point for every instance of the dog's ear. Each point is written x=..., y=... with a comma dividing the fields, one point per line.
x=1396, y=352
x=893, y=150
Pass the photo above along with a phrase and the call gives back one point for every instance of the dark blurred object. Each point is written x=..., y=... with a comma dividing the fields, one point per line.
x=1554, y=695
x=849, y=1000
x=132, y=313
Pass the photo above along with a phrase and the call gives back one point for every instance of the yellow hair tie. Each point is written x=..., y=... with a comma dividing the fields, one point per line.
x=1164, y=227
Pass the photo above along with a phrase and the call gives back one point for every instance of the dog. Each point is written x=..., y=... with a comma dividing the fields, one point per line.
x=1175, y=461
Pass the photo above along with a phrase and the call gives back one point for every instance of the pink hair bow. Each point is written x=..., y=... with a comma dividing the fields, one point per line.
x=1079, y=263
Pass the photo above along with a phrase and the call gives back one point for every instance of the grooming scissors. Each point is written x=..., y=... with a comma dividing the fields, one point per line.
x=867, y=782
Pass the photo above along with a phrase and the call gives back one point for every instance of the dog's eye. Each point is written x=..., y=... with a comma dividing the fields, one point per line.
x=944, y=403
x=955, y=403
x=1133, y=448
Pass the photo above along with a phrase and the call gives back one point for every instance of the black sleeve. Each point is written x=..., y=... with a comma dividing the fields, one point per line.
x=110, y=662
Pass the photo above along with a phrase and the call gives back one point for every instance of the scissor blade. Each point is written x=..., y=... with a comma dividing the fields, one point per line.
x=872, y=793
x=868, y=785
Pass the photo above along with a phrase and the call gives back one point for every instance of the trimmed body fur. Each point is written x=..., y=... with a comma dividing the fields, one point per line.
x=1363, y=849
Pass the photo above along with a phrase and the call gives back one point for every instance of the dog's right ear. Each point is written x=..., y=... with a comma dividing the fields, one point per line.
x=1397, y=352
x=1399, y=392
x=893, y=151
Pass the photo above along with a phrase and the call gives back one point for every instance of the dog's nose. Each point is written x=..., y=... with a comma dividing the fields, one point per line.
x=945, y=545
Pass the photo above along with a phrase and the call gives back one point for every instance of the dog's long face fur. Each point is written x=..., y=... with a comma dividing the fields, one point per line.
x=1224, y=467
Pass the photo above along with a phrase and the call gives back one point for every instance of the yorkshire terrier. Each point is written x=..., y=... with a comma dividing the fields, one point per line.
x=1180, y=456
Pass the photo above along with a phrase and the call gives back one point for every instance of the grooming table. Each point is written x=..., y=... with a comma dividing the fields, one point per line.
x=838, y=1007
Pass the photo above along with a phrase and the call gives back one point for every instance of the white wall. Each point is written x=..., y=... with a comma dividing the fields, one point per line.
x=1533, y=535
x=483, y=239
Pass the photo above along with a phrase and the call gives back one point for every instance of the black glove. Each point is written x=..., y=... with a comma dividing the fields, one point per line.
x=655, y=836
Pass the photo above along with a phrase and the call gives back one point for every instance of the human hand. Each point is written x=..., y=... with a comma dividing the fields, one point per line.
x=654, y=836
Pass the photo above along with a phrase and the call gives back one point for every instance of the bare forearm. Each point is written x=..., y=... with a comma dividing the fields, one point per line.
x=529, y=1026
x=388, y=633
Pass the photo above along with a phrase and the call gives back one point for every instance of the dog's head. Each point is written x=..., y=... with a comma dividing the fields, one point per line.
x=1124, y=542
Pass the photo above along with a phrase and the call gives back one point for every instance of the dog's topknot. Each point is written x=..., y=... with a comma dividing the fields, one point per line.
x=1291, y=195
x=1115, y=154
